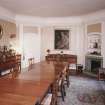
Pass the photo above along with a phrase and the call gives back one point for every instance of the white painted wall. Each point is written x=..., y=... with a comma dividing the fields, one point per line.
x=29, y=43
x=98, y=17
x=76, y=40
x=46, y=28
x=31, y=47
x=103, y=43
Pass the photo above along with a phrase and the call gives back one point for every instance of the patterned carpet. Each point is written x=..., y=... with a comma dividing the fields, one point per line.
x=84, y=91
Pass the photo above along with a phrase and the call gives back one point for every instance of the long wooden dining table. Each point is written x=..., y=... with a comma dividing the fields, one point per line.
x=28, y=87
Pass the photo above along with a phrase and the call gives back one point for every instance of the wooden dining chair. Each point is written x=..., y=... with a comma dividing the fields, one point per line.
x=60, y=78
x=101, y=74
x=66, y=76
x=18, y=61
x=72, y=64
x=54, y=90
x=30, y=63
x=61, y=88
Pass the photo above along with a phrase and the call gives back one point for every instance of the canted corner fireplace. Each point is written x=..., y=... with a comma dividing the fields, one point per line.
x=93, y=63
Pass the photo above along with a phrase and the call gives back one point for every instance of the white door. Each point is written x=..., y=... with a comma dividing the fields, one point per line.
x=31, y=47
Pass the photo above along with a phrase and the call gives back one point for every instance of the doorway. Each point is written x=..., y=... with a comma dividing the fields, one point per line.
x=31, y=47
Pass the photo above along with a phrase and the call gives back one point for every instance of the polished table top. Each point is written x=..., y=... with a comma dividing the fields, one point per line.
x=28, y=87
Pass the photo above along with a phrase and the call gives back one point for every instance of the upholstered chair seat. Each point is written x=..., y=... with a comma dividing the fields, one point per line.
x=47, y=99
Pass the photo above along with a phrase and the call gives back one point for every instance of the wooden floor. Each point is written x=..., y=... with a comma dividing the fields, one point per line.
x=29, y=87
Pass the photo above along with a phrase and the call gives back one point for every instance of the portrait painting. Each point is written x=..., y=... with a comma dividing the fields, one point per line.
x=61, y=39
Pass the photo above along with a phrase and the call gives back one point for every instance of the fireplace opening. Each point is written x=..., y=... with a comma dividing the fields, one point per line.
x=95, y=65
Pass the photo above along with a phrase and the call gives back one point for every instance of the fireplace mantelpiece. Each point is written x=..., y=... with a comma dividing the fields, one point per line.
x=93, y=63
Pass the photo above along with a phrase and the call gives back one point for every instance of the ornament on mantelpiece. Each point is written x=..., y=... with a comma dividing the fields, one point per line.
x=95, y=45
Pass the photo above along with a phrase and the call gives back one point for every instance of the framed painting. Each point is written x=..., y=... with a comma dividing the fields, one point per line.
x=61, y=39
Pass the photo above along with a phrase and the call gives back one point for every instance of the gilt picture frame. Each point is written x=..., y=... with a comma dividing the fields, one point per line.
x=61, y=40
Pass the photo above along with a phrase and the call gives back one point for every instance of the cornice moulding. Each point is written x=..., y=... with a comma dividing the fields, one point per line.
x=47, y=21
x=7, y=15
x=95, y=17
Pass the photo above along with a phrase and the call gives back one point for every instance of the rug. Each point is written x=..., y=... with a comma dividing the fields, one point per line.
x=84, y=91
x=90, y=98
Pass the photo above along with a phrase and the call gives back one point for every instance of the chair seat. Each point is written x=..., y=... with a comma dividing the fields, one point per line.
x=47, y=99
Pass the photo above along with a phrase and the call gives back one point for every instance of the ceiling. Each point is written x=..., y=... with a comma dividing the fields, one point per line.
x=53, y=8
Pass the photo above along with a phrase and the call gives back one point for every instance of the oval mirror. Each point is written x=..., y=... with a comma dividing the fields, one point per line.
x=1, y=31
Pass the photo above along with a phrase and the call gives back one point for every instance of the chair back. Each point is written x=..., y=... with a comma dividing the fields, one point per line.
x=30, y=63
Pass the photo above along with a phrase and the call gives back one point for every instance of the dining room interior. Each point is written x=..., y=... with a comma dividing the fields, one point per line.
x=52, y=52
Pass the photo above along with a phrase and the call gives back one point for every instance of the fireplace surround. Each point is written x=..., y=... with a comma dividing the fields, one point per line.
x=93, y=63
